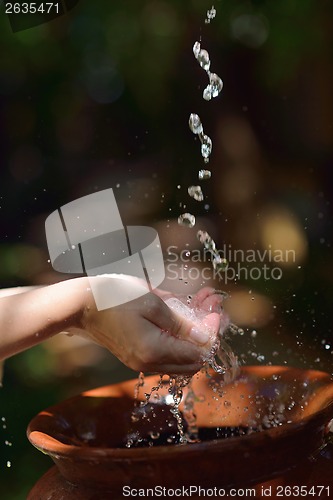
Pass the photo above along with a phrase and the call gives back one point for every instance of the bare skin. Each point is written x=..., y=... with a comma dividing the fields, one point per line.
x=145, y=334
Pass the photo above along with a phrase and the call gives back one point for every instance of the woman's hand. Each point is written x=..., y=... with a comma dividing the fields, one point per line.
x=144, y=333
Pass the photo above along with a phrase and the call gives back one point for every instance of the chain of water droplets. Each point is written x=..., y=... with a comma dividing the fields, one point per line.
x=175, y=389
x=228, y=363
x=139, y=406
x=215, y=85
x=224, y=353
x=213, y=89
x=176, y=385
x=211, y=13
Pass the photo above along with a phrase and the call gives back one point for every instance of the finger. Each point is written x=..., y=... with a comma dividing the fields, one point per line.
x=201, y=295
x=176, y=325
x=160, y=351
x=212, y=322
x=212, y=303
x=163, y=294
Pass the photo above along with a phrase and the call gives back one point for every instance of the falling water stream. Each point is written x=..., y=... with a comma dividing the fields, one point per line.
x=220, y=356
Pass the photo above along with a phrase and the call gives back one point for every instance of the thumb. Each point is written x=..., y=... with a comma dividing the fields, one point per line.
x=199, y=329
x=203, y=331
x=199, y=332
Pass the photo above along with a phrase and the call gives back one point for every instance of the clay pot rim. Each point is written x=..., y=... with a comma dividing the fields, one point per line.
x=58, y=450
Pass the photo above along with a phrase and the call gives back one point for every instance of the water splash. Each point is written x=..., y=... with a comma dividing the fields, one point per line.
x=219, y=357
x=138, y=412
x=192, y=433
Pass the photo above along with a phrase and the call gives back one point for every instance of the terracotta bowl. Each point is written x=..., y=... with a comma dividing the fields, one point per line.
x=265, y=422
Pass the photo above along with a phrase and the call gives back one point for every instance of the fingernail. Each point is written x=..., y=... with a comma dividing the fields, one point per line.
x=199, y=336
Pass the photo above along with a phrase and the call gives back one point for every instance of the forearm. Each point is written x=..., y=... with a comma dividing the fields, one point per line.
x=29, y=318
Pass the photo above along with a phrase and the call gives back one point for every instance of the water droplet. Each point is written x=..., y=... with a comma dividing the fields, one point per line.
x=196, y=193
x=253, y=334
x=207, y=94
x=154, y=435
x=203, y=59
x=206, y=240
x=210, y=15
x=204, y=174
x=187, y=220
x=196, y=49
x=216, y=84
x=195, y=124
x=206, y=146
x=219, y=263
x=330, y=426
x=9, y=464
x=213, y=88
x=129, y=443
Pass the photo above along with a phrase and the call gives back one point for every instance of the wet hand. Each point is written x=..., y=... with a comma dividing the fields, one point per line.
x=146, y=335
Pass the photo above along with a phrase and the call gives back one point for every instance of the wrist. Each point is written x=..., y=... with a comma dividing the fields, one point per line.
x=85, y=302
x=80, y=296
x=68, y=301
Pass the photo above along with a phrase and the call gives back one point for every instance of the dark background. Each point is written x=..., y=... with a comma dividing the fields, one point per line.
x=100, y=98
